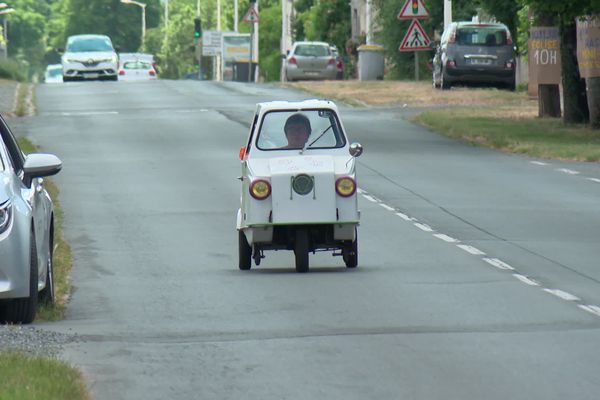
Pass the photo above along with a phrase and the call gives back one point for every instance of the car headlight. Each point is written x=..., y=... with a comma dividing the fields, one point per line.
x=260, y=189
x=114, y=59
x=345, y=186
x=5, y=216
x=69, y=60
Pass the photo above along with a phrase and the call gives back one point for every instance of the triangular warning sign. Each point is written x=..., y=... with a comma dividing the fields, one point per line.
x=415, y=39
x=413, y=9
x=251, y=16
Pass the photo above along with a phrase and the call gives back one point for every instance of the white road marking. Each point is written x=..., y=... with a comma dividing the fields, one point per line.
x=470, y=249
x=445, y=238
x=538, y=163
x=360, y=191
x=593, y=180
x=562, y=294
x=568, y=171
x=498, y=263
x=526, y=280
x=372, y=199
x=591, y=309
x=423, y=227
x=387, y=207
x=404, y=216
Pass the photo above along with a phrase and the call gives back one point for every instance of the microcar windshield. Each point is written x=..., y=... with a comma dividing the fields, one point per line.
x=306, y=129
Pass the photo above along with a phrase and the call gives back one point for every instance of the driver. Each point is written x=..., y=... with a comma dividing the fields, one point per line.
x=297, y=130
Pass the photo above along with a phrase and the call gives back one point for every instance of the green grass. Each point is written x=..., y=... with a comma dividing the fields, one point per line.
x=26, y=378
x=537, y=137
x=62, y=253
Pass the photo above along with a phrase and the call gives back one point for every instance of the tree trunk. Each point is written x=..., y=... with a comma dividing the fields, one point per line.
x=548, y=101
x=574, y=93
x=593, y=97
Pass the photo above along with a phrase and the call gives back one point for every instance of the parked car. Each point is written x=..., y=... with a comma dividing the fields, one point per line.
x=89, y=57
x=310, y=60
x=475, y=53
x=53, y=73
x=339, y=63
x=123, y=57
x=137, y=71
x=26, y=230
x=299, y=188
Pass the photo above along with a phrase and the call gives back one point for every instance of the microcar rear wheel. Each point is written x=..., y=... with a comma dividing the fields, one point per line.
x=350, y=253
x=301, y=250
x=245, y=252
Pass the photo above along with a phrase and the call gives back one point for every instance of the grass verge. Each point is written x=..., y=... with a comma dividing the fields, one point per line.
x=508, y=131
x=62, y=252
x=27, y=377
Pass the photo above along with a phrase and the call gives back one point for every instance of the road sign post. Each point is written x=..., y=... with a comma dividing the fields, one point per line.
x=252, y=18
x=415, y=39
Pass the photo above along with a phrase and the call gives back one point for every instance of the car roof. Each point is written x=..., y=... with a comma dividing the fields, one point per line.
x=87, y=36
x=460, y=24
x=317, y=43
x=295, y=105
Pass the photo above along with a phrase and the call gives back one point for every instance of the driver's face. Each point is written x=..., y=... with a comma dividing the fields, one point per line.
x=297, y=135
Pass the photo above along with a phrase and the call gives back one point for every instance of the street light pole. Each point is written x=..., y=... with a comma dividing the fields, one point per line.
x=143, y=7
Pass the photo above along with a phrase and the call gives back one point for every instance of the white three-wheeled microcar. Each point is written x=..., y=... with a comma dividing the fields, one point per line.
x=299, y=189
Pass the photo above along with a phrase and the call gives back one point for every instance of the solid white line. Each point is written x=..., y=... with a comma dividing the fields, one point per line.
x=404, y=216
x=562, y=294
x=470, y=249
x=591, y=309
x=445, y=238
x=538, y=163
x=387, y=207
x=526, y=280
x=498, y=263
x=360, y=191
x=593, y=180
x=371, y=199
x=567, y=171
x=423, y=227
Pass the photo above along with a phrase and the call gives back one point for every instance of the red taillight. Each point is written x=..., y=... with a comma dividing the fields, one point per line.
x=293, y=61
x=152, y=73
x=331, y=61
x=260, y=189
x=451, y=63
x=508, y=38
x=509, y=65
x=121, y=72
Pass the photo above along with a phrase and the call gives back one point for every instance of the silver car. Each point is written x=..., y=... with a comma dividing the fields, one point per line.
x=471, y=52
x=26, y=230
x=89, y=57
x=310, y=60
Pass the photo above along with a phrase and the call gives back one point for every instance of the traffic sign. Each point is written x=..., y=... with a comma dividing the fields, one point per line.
x=251, y=16
x=415, y=39
x=414, y=9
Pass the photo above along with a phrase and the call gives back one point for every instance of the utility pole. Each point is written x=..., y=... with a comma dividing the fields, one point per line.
x=447, y=13
x=235, y=15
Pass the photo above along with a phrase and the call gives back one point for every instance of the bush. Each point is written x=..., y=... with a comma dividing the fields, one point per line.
x=10, y=69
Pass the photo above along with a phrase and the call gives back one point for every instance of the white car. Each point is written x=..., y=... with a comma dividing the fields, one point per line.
x=89, y=57
x=298, y=184
x=53, y=74
x=26, y=230
x=136, y=71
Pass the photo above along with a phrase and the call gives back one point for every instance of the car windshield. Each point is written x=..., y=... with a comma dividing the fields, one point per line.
x=312, y=50
x=89, y=44
x=481, y=36
x=136, y=65
x=310, y=129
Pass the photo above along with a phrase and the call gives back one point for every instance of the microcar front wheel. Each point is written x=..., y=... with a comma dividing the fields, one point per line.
x=301, y=250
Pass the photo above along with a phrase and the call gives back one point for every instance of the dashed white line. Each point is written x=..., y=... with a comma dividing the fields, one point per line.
x=498, y=264
x=538, y=163
x=404, y=216
x=371, y=199
x=387, y=207
x=423, y=227
x=470, y=249
x=526, y=280
x=591, y=309
x=562, y=294
x=593, y=180
x=445, y=238
x=568, y=171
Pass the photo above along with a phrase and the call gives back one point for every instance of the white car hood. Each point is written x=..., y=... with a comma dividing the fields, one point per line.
x=89, y=55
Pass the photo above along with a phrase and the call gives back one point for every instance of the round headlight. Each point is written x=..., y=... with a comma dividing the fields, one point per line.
x=260, y=189
x=345, y=186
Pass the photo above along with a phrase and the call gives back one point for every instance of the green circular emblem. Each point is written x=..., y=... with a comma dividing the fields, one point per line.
x=302, y=184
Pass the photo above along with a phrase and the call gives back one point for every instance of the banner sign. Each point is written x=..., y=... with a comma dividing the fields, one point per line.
x=544, y=55
x=588, y=46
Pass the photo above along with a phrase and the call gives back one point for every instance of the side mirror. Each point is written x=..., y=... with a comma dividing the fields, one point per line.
x=38, y=165
x=356, y=149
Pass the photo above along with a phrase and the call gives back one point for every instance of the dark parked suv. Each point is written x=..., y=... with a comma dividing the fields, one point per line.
x=475, y=52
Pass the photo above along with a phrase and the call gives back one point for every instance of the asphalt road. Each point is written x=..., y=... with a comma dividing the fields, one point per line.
x=478, y=279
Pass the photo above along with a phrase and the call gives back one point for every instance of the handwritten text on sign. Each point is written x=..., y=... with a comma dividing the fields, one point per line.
x=544, y=55
x=588, y=47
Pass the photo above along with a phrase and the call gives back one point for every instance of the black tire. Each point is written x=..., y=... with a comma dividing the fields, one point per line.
x=47, y=294
x=23, y=310
x=350, y=253
x=512, y=86
x=245, y=252
x=445, y=84
x=301, y=250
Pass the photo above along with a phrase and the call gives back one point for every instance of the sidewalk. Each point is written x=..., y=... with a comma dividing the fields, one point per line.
x=7, y=97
